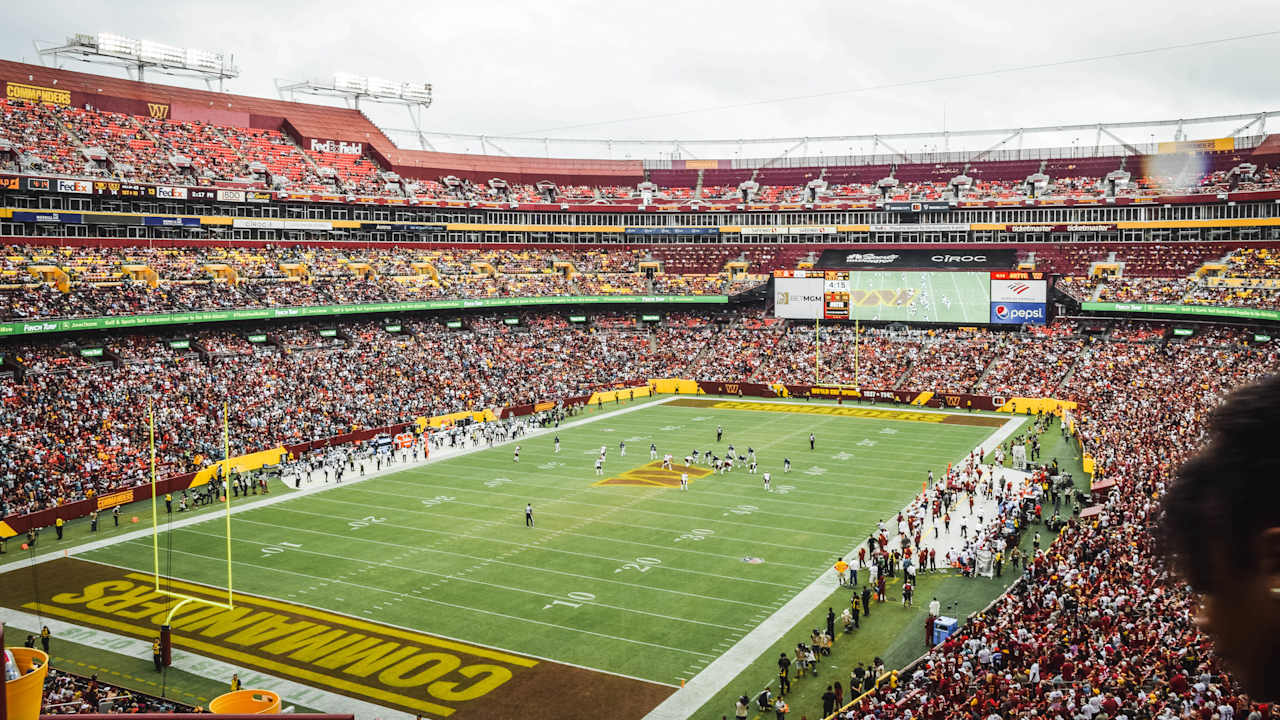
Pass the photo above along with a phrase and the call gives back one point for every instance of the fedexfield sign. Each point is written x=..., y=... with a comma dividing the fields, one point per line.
x=122, y=321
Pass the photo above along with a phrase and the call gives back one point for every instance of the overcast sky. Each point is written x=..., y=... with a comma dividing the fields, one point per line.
x=572, y=68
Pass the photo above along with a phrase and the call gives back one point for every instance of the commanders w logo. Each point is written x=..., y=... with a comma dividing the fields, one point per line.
x=159, y=111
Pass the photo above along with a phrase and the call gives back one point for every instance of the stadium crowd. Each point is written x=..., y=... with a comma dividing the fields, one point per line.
x=97, y=144
x=1098, y=627
x=112, y=281
x=1095, y=627
x=69, y=694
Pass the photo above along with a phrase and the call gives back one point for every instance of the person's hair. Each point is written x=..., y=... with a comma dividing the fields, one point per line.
x=1227, y=493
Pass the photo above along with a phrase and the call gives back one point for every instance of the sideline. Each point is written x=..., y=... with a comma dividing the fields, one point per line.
x=394, y=467
x=685, y=702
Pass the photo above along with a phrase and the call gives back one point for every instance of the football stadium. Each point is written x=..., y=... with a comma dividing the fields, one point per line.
x=325, y=398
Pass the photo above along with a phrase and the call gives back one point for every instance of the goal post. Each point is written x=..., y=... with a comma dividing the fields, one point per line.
x=166, y=645
x=817, y=358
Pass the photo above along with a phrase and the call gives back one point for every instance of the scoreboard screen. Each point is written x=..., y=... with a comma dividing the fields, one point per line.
x=962, y=297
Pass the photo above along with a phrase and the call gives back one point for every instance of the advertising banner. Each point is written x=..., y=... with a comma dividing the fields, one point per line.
x=798, y=298
x=1072, y=228
x=790, y=230
x=341, y=147
x=171, y=221
x=37, y=93
x=918, y=206
x=671, y=231
x=81, y=187
x=268, y=224
x=1019, y=291
x=970, y=258
x=171, y=193
x=1192, y=310
x=230, y=196
x=920, y=227
x=51, y=326
x=1017, y=313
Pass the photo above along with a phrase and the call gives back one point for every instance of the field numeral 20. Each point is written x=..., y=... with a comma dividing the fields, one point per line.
x=643, y=564
x=696, y=534
x=279, y=548
x=366, y=521
x=580, y=596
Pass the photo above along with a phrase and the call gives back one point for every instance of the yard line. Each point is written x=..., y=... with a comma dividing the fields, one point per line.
x=650, y=512
x=452, y=576
x=538, y=547
x=522, y=566
x=594, y=520
x=465, y=608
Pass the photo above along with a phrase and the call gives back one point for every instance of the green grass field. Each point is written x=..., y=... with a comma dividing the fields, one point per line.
x=644, y=581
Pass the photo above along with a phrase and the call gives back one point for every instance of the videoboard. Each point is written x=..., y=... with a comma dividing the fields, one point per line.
x=1001, y=297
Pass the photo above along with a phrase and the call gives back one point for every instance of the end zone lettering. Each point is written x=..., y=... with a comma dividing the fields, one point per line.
x=384, y=664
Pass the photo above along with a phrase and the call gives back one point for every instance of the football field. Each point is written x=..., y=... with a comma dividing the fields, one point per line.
x=623, y=575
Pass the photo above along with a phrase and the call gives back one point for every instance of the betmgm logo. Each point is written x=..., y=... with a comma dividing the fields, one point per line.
x=787, y=298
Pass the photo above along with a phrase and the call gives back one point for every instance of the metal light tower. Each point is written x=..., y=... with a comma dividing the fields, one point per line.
x=138, y=56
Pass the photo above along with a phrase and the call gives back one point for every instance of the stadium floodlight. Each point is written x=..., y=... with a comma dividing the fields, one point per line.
x=141, y=55
x=378, y=86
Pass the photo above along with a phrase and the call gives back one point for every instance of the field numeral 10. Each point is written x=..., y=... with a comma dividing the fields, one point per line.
x=366, y=521
x=696, y=534
x=279, y=548
x=643, y=564
x=580, y=596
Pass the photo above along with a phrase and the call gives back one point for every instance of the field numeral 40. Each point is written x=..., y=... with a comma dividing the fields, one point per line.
x=366, y=521
x=643, y=564
x=743, y=509
x=581, y=597
x=696, y=534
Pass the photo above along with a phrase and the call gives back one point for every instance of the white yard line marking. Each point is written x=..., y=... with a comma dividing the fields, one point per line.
x=689, y=699
x=465, y=608
x=457, y=576
x=524, y=567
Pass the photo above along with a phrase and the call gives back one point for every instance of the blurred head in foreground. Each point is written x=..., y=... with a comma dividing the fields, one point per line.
x=1222, y=528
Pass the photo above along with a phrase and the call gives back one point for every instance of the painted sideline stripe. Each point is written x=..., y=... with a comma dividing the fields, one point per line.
x=714, y=677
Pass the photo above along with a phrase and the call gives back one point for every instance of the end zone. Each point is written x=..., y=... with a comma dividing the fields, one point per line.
x=394, y=667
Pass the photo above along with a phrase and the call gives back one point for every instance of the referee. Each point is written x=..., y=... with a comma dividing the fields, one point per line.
x=528, y=515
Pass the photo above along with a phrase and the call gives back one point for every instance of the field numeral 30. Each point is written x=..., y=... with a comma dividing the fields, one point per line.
x=696, y=534
x=642, y=564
